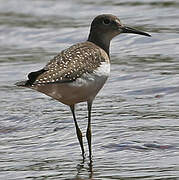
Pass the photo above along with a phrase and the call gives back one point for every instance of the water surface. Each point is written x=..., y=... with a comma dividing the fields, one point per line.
x=135, y=119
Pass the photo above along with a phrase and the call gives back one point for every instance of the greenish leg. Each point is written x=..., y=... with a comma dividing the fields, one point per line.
x=78, y=131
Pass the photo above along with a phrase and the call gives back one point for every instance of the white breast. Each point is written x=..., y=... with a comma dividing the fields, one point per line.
x=98, y=76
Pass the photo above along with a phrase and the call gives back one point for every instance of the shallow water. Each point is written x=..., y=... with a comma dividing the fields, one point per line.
x=135, y=119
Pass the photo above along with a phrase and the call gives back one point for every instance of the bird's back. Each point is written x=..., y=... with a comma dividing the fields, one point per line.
x=83, y=68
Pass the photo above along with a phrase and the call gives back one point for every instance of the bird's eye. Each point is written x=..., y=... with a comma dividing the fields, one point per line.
x=106, y=21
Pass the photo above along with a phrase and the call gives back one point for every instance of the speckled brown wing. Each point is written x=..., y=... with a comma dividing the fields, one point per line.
x=70, y=64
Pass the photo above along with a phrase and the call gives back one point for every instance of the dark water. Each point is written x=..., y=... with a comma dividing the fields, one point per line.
x=135, y=117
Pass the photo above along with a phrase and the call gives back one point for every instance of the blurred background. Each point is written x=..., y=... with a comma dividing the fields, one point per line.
x=135, y=119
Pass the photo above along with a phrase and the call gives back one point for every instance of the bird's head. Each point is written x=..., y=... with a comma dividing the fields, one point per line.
x=106, y=26
x=111, y=26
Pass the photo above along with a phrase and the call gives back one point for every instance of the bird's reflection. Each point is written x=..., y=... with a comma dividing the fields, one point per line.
x=81, y=167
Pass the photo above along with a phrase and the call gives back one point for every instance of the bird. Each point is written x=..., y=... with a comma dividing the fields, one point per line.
x=78, y=73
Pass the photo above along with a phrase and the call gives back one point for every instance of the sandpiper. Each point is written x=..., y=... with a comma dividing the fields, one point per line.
x=78, y=73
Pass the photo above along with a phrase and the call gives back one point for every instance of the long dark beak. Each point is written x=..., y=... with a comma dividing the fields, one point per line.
x=126, y=29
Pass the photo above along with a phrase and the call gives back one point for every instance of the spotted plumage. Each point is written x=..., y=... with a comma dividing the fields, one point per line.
x=78, y=73
x=71, y=64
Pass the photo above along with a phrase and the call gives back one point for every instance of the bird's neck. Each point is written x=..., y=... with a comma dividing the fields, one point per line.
x=100, y=40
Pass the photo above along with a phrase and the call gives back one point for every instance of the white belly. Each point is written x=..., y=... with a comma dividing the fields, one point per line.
x=82, y=89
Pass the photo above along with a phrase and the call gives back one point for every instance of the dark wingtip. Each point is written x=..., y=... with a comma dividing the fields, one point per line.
x=31, y=79
x=34, y=75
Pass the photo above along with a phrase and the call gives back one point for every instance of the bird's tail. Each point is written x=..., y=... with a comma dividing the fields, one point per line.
x=22, y=83
x=31, y=78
